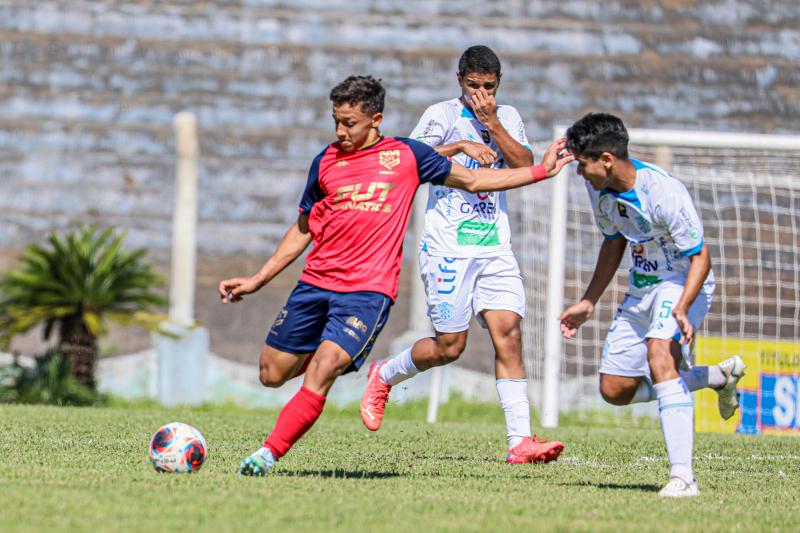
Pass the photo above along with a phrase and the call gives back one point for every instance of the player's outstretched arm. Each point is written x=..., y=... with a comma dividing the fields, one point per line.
x=699, y=267
x=608, y=260
x=485, y=179
x=290, y=248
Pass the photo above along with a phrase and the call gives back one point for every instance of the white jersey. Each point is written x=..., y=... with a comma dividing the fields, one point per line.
x=659, y=220
x=458, y=223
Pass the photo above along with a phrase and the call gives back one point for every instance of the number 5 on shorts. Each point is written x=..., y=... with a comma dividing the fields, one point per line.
x=666, y=309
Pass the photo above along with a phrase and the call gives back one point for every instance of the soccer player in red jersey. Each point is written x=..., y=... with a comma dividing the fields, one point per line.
x=355, y=208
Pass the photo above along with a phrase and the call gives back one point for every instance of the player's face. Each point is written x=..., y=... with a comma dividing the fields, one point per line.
x=472, y=82
x=595, y=171
x=354, y=128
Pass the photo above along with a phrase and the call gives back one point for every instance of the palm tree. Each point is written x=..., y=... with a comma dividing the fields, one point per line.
x=76, y=286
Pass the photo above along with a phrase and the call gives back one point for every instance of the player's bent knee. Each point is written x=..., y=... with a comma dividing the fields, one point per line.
x=614, y=397
x=614, y=394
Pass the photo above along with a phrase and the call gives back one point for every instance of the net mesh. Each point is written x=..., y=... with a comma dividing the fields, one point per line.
x=748, y=201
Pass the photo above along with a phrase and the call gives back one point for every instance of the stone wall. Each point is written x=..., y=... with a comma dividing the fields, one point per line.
x=88, y=90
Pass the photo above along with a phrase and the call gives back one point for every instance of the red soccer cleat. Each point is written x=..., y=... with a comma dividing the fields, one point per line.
x=373, y=401
x=533, y=450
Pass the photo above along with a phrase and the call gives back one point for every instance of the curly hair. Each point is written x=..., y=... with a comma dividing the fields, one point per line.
x=365, y=91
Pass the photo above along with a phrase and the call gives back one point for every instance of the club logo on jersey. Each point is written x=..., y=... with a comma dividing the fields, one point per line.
x=485, y=136
x=350, y=197
x=389, y=159
x=623, y=211
x=444, y=279
x=355, y=323
x=342, y=164
x=642, y=224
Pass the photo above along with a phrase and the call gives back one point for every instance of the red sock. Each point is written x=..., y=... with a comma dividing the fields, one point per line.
x=296, y=417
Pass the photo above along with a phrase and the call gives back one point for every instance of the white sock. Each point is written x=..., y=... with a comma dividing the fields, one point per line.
x=513, y=395
x=701, y=377
x=266, y=453
x=676, y=410
x=398, y=369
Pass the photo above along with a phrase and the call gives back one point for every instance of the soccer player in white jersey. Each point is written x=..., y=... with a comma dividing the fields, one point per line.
x=671, y=288
x=466, y=261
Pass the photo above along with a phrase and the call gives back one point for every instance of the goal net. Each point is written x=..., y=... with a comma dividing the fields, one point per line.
x=746, y=189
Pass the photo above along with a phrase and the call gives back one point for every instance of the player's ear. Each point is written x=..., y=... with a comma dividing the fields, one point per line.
x=607, y=159
x=377, y=118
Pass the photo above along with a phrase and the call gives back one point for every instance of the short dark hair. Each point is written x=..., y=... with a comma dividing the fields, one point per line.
x=365, y=91
x=596, y=133
x=480, y=59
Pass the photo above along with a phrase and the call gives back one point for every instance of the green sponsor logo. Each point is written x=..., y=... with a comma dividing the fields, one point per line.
x=693, y=233
x=471, y=233
x=644, y=280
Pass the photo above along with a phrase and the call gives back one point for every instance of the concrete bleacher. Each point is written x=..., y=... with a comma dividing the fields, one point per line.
x=88, y=91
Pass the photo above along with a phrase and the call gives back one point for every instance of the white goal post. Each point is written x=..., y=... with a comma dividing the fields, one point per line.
x=747, y=189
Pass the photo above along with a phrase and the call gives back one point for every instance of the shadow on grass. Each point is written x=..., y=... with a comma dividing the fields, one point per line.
x=344, y=474
x=643, y=487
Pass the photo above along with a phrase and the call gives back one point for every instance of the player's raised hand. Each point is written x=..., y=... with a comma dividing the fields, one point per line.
x=556, y=156
x=479, y=152
x=574, y=316
x=686, y=327
x=484, y=106
x=233, y=290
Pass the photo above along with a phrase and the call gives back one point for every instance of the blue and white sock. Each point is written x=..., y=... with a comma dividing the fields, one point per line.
x=676, y=410
x=398, y=369
x=513, y=394
x=699, y=377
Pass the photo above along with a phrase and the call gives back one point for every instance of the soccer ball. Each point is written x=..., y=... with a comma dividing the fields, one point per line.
x=178, y=448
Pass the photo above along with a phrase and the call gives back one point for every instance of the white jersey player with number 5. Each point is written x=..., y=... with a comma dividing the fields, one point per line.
x=465, y=259
x=671, y=289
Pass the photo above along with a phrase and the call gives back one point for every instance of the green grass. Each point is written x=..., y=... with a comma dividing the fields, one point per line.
x=87, y=469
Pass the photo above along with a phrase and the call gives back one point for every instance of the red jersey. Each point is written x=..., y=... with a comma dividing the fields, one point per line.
x=358, y=205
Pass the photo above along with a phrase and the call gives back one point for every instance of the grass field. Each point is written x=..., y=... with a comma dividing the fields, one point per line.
x=87, y=469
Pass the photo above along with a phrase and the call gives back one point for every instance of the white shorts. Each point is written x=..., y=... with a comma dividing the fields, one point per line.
x=649, y=317
x=457, y=288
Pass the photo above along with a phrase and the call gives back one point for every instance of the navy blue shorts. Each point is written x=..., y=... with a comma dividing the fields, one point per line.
x=311, y=315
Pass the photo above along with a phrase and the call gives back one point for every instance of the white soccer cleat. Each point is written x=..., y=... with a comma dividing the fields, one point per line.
x=678, y=488
x=728, y=398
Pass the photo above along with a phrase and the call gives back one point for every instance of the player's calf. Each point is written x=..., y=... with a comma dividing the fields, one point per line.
x=449, y=347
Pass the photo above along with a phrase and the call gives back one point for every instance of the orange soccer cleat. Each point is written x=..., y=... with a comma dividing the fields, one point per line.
x=533, y=450
x=373, y=401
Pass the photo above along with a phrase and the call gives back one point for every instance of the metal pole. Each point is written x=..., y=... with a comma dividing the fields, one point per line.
x=555, y=296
